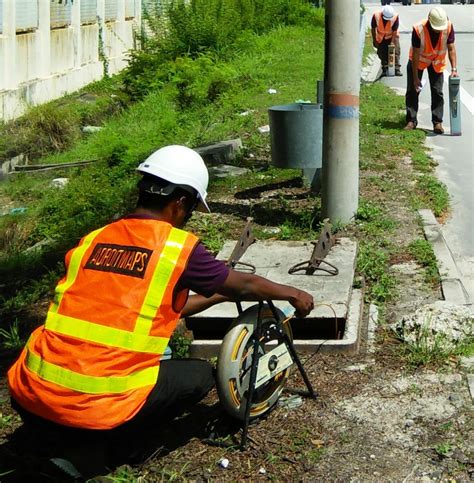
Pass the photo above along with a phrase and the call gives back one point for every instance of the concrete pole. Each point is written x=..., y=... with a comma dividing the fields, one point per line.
x=340, y=164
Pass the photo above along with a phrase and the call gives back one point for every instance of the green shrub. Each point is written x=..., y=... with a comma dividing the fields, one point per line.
x=201, y=26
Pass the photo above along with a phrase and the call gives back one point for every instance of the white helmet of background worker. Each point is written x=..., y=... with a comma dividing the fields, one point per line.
x=438, y=18
x=179, y=165
x=388, y=12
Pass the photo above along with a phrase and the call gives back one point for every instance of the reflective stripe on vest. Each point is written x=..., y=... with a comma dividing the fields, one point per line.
x=90, y=384
x=81, y=329
x=429, y=54
x=384, y=31
x=159, y=282
x=138, y=340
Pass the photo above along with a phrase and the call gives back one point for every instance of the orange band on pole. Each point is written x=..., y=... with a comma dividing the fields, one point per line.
x=343, y=100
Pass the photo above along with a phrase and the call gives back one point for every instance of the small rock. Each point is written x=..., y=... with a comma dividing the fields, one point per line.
x=355, y=368
x=59, y=182
x=274, y=230
x=409, y=423
x=91, y=129
x=223, y=463
x=264, y=129
x=372, y=456
x=459, y=456
x=272, y=91
x=262, y=471
x=455, y=398
x=291, y=402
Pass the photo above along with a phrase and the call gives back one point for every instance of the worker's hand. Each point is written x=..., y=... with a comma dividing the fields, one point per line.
x=454, y=73
x=375, y=44
x=303, y=303
x=417, y=84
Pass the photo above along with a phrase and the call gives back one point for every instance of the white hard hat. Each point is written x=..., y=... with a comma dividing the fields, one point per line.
x=179, y=165
x=438, y=18
x=388, y=12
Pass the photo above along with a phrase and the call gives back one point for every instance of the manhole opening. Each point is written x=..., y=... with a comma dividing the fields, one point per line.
x=215, y=328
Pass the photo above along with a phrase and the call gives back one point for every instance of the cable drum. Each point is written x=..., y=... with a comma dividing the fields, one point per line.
x=235, y=361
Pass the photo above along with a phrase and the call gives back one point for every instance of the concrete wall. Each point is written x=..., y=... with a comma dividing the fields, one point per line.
x=48, y=49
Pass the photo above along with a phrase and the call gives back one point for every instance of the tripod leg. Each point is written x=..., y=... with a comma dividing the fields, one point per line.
x=294, y=355
x=296, y=358
x=253, y=377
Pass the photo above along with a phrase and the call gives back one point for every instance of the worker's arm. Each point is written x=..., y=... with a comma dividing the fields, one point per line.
x=414, y=69
x=374, y=38
x=453, y=59
x=245, y=286
x=198, y=303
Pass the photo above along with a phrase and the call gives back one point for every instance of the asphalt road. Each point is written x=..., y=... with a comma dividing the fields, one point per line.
x=455, y=154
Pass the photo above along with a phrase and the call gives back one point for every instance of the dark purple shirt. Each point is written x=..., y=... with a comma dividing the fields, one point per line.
x=203, y=273
x=434, y=36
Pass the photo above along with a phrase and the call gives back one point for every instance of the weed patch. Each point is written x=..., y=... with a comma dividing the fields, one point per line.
x=423, y=253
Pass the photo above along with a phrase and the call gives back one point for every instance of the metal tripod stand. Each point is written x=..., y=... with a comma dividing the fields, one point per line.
x=255, y=359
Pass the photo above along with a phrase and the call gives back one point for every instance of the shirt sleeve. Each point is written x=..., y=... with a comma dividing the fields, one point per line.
x=396, y=24
x=451, y=36
x=203, y=274
x=415, y=40
x=374, y=22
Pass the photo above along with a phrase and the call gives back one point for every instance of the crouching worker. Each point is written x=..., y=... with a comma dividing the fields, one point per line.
x=96, y=364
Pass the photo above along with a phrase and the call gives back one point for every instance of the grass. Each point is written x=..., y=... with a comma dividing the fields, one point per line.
x=10, y=338
x=423, y=253
x=444, y=448
x=434, y=349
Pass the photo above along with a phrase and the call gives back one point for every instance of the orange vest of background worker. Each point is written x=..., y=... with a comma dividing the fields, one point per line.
x=434, y=55
x=384, y=28
x=118, y=336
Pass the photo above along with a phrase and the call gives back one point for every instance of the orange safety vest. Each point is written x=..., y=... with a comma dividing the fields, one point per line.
x=429, y=55
x=384, y=30
x=97, y=357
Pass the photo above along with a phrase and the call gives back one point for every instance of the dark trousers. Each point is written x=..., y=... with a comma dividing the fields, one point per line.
x=437, y=101
x=382, y=52
x=181, y=384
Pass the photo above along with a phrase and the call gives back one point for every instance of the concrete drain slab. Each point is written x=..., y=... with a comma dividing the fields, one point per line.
x=334, y=323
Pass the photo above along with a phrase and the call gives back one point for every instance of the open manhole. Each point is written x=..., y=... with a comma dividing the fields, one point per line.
x=333, y=325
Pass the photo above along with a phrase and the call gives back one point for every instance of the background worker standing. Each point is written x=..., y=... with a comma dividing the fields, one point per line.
x=431, y=40
x=385, y=25
x=96, y=363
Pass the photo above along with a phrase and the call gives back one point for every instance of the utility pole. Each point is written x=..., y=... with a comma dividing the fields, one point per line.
x=340, y=163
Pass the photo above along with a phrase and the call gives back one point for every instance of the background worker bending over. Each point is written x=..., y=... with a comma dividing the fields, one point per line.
x=430, y=41
x=385, y=25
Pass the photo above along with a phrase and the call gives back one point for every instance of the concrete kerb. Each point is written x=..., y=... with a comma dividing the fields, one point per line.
x=450, y=276
x=371, y=70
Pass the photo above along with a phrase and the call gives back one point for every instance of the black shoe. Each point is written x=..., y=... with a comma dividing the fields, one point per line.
x=385, y=72
x=398, y=73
